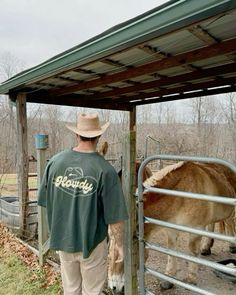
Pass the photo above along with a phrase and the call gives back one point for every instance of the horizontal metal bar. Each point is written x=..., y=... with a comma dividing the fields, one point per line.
x=147, y=292
x=177, y=282
x=7, y=213
x=196, y=196
x=191, y=258
x=184, y=228
x=188, y=158
x=32, y=189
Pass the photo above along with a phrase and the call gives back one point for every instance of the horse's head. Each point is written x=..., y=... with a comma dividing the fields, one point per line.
x=116, y=278
x=102, y=150
x=146, y=171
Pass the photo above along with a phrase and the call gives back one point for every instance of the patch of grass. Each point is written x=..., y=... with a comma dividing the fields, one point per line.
x=10, y=179
x=8, y=185
x=18, y=279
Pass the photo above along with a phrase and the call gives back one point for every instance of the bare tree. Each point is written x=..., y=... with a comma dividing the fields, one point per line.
x=9, y=66
x=229, y=112
x=53, y=126
x=205, y=119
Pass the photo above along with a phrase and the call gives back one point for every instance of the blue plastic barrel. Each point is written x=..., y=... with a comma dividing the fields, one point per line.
x=41, y=141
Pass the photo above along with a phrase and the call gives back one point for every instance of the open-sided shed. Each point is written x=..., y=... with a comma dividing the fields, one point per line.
x=182, y=49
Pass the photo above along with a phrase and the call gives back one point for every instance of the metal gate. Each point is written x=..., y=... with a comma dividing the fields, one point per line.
x=143, y=219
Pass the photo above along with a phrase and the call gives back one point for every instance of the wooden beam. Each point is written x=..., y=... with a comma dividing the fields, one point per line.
x=178, y=90
x=22, y=161
x=198, y=74
x=43, y=230
x=129, y=187
x=206, y=92
x=177, y=60
x=76, y=100
x=206, y=37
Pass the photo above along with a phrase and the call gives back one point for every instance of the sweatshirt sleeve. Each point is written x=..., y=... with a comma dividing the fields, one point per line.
x=42, y=191
x=114, y=204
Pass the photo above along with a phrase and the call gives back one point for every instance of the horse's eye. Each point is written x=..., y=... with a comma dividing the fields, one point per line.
x=114, y=288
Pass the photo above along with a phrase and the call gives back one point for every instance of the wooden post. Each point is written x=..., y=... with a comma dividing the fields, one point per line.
x=129, y=187
x=41, y=141
x=22, y=161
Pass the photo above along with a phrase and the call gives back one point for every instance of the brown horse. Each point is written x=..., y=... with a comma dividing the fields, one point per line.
x=210, y=179
x=114, y=267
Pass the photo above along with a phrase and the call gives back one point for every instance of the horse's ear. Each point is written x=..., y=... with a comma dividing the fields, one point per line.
x=104, y=148
x=159, y=177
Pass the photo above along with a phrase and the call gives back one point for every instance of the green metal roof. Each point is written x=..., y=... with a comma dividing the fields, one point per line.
x=121, y=58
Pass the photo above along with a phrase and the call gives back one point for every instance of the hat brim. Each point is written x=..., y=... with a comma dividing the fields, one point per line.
x=88, y=134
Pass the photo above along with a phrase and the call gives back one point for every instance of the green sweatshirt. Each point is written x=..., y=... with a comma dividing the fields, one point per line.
x=82, y=194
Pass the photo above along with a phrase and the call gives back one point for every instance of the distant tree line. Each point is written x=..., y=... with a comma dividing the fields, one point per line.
x=203, y=126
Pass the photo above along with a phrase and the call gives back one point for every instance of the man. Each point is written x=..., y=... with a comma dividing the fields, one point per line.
x=82, y=194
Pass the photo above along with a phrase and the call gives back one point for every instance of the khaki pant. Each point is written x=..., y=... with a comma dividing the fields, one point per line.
x=84, y=276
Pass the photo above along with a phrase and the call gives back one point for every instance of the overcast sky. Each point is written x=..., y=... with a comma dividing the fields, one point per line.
x=35, y=30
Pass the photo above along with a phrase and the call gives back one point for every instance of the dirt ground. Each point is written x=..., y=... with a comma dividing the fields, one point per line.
x=207, y=279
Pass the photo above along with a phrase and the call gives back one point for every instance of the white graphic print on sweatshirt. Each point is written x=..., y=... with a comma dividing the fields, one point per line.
x=74, y=183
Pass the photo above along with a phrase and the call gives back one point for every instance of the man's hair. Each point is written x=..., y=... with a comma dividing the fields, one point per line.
x=82, y=138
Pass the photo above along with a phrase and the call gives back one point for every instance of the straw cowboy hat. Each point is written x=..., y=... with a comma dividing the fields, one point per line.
x=88, y=125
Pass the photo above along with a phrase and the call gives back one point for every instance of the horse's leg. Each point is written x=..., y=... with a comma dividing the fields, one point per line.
x=230, y=229
x=148, y=229
x=171, y=267
x=208, y=242
x=194, y=247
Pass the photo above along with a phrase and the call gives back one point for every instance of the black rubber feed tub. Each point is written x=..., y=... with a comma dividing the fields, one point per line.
x=224, y=275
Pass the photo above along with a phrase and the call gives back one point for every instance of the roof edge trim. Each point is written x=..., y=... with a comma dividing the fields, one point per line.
x=174, y=15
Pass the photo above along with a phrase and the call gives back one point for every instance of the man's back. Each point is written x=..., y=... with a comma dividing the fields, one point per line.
x=82, y=194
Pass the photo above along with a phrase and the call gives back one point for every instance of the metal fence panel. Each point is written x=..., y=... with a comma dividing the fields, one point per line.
x=142, y=219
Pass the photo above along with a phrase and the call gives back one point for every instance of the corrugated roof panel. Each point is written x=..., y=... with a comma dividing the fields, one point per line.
x=81, y=92
x=55, y=81
x=100, y=68
x=219, y=28
x=229, y=75
x=178, y=42
x=213, y=61
x=75, y=75
x=145, y=78
x=131, y=94
x=197, y=81
x=134, y=57
x=174, y=85
x=36, y=87
x=99, y=89
x=118, y=84
x=150, y=90
x=175, y=71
